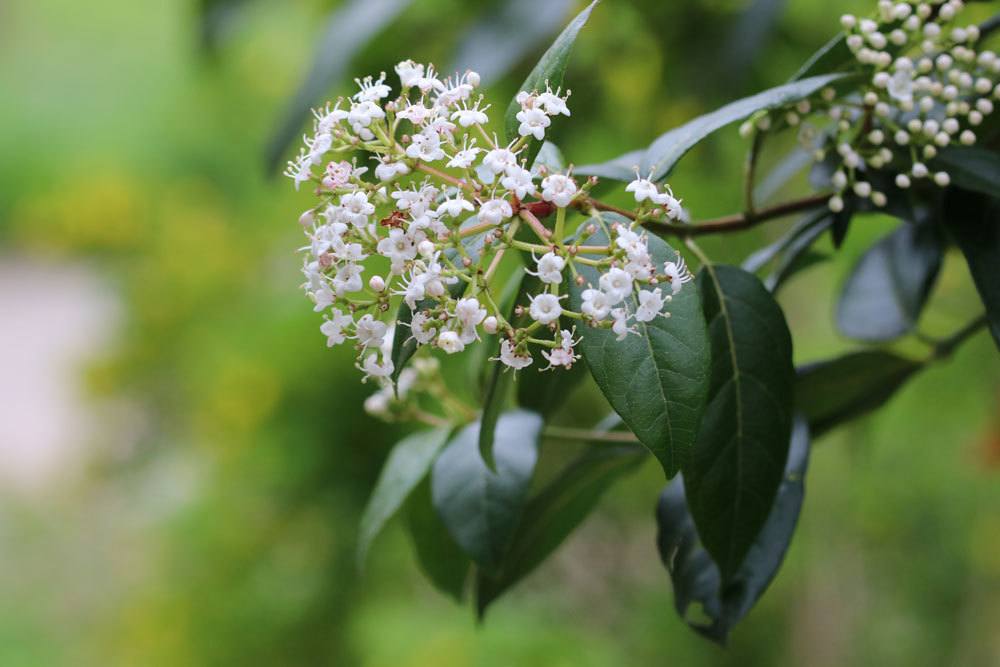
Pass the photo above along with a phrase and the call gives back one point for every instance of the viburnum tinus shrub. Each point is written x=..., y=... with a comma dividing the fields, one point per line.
x=430, y=234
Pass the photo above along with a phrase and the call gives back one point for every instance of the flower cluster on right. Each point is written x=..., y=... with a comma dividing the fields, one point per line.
x=927, y=87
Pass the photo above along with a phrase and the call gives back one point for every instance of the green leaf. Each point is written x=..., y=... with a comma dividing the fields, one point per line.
x=551, y=68
x=348, y=29
x=501, y=38
x=216, y=19
x=479, y=507
x=558, y=509
x=695, y=576
x=443, y=561
x=550, y=157
x=975, y=169
x=803, y=229
x=888, y=287
x=664, y=153
x=831, y=57
x=622, y=168
x=738, y=459
x=493, y=404
x=407, y=464
x=838, y=390
x=657, y=380
x=974, y=221
x=669, y=148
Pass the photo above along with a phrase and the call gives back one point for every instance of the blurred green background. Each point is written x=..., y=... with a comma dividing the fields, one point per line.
x=184, y=462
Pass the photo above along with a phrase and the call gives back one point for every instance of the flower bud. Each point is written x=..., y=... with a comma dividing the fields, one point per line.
x=490, y=325
x=919, y=170
x=942, y=179
x=377, y=283
x=836, y=204
x=902, y=181
x=425, y=248
x=306, y=218
x=879, y=199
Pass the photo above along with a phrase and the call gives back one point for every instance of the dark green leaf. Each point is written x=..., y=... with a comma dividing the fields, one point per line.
x=975, y=169
x=494, y=402
x=838, y=390
x=554, y=513
x=407, y=464
x=888, y=287
x=695, y=576
x=550, y=157
x=443, y=561
x=831, y=57
x=974, y=221
x=803, y=229
x=348, y=29
x=622, y=168
x=657, y=380
x=502, y=37
x=738, y=459
x=669, y=148
x=481, y=508
x=551, y=69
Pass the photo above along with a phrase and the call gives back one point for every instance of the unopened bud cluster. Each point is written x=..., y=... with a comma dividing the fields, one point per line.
x=926, y=87
x=430, y=223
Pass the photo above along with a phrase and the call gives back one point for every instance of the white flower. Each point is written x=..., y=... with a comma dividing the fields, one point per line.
x=416, y=114
x=900, y=86
x=545, y=308
x=450, y=342
x=617, y=284
x=550, y=267
x=454, y=207
x=355, y=208
x=372, y=90
x=558, y=189
x=642, y=189
x=562, y=355
x=671, y=205
x=620, y=326
x=420, y=326
x=323, y=297
x=676, y=275
x=373, y=368
x=409, y=73
x=363, y=113
x=469, y=116
x=596, y=304
x=425, y=146
x=533, y=123
x=518, y=181
x=370, y=332
x=347, y=279
x=464, y=158
x=552, y=103
x=509, y=357
x=650, y=305
x=495, y=211
x=469, y=312
x=300, y=170
x=499, y=160
x=397, y=246
x=333, y=328
x=377, y=405
x=387, y=170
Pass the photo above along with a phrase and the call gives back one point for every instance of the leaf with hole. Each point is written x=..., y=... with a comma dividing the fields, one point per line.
x=695, y=576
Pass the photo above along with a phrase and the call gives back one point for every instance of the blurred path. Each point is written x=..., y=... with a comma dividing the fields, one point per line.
x=53, y=317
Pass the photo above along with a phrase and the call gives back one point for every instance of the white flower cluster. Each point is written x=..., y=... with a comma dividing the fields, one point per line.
x=929, y=88
x=430, y=224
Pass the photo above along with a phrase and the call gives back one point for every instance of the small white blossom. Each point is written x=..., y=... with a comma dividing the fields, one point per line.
x=558, y=189
x=550, y=266
x=596, y=304
x=450, y=342
x=545, y=308
x=509, y=357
